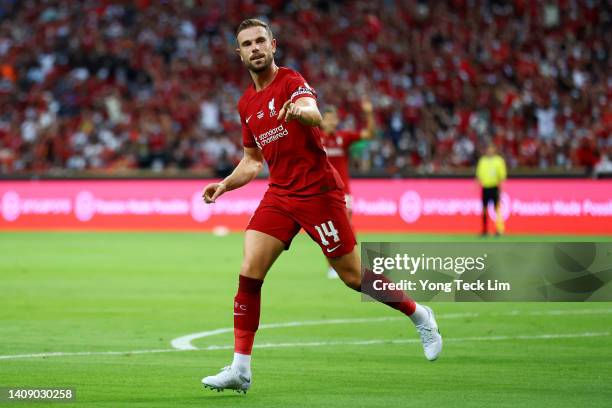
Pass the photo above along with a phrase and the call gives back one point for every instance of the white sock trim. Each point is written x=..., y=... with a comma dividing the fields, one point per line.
x=419, y=316
x=242, y=362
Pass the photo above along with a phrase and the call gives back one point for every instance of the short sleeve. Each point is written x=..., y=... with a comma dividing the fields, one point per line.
x=247, y=137
x=248, y=140
x=298, y=87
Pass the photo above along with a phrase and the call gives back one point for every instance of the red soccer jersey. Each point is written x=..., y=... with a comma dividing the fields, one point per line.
x=293, y=151
x=337, y=146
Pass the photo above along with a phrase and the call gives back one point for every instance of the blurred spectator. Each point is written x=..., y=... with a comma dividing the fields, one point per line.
x=115, y=85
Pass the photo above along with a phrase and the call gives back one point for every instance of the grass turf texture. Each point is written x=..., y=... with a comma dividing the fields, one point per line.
x=97, y=292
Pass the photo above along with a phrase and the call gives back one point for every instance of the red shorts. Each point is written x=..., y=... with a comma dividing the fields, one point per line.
x=323, y=216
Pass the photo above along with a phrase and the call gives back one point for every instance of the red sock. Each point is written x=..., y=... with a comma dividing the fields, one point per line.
x=246, y=313
x=396, y=299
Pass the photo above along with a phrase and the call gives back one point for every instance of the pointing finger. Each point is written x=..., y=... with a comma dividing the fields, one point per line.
x=283, y=110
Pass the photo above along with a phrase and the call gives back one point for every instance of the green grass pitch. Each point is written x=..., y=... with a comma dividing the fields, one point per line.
x=131, y=293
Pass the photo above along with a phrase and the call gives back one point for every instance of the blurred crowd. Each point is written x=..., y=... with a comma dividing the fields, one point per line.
x=152, y=84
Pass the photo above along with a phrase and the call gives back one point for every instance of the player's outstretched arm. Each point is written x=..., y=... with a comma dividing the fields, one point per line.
x=304, y=110
x=248, y=168
x=368, y=111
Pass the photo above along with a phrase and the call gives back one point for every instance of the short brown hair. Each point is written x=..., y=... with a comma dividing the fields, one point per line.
x=253, y=22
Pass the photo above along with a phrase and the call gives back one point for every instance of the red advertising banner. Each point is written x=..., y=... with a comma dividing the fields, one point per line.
x=440, y=205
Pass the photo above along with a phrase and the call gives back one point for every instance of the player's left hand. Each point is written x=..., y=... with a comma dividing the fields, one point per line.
x=212, y=191
x=290, y=111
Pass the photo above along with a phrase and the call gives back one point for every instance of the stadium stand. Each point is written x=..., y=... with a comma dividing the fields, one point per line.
x=112, y=86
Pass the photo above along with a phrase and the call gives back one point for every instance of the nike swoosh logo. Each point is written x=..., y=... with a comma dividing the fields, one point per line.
x=247, y=119
x=333, y=249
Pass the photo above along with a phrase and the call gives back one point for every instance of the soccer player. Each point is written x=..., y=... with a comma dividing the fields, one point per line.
x=337, y=144
x=491, y=172
x=280, y=122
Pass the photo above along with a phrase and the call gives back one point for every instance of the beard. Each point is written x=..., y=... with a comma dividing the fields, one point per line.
x=259, y=65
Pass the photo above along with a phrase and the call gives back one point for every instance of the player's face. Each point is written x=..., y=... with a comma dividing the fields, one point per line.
x=256, y=48
x=330, y=121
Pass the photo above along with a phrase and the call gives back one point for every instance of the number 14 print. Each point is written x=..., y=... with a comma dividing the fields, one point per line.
x=327, y=229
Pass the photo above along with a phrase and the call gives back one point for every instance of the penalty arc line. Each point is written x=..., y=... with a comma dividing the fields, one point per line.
x=316, y=344
x=185, y=342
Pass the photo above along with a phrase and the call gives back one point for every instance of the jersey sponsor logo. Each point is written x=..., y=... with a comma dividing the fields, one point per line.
x=271, y=135
x=271, y=108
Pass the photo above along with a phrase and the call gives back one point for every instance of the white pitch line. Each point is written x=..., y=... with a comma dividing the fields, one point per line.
x=404, y=341
x=185, y=342
x=86, y=353
x=570, y=312
x=321, y=344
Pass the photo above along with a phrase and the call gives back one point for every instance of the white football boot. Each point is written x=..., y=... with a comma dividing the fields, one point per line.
x=228, y=379
x=430, y=336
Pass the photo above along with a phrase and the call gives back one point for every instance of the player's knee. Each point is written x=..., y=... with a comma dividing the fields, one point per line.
x=251, y=269
x=353, y=282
